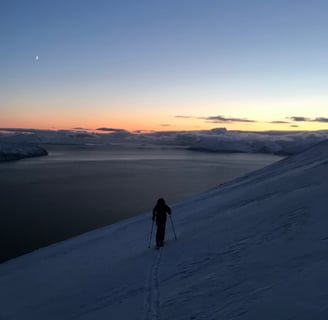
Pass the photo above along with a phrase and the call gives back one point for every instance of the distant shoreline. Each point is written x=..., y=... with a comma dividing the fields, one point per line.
x=16, y=151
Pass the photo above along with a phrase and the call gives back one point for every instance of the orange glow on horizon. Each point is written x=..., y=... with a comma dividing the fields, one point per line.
x=171, y=124
x=151, y=119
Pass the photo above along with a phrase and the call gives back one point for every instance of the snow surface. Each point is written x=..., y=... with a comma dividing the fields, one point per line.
x=14, y=151
x=253, y=248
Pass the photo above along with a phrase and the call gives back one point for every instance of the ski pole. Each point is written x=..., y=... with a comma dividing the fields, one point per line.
x=175, y=235
x=151, y=233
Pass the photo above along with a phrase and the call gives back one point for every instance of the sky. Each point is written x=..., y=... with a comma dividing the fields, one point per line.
x=164, y=65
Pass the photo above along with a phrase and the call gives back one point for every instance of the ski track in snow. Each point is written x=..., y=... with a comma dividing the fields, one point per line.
x=152, y=297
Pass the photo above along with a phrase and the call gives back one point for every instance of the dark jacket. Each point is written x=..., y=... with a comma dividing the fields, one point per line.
x=160, y=211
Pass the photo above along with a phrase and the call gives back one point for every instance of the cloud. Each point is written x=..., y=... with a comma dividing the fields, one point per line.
x=21, y=130
x=111, y=129
x=218, y=119
x=183, y=117
x=320, y=119
x=299, y=119
x=278, y=122
x=305, y=119
x=294, y=126
x=165, y=125
x=222, y=119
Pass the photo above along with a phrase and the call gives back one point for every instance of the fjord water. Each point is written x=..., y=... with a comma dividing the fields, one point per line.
x=76, y=189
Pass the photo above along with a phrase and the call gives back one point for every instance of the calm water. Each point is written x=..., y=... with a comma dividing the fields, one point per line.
x=77, y=189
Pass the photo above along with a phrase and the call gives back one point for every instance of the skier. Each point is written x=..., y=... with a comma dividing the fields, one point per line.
x=159, y=215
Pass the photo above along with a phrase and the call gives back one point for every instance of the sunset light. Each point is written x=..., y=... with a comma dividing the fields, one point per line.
x=138, y=67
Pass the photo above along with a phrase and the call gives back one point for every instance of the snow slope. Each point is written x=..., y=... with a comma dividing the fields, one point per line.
x=254, y=248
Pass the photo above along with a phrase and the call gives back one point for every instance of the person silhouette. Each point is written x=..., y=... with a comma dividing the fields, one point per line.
x=159, y=215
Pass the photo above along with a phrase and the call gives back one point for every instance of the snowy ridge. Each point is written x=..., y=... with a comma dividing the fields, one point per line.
x=214, y=140
x=253, y=248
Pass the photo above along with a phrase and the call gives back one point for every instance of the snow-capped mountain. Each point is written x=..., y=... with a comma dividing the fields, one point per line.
x=253, y=248
x=214, y=140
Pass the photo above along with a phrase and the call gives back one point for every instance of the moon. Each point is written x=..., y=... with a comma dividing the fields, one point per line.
x=36, y=58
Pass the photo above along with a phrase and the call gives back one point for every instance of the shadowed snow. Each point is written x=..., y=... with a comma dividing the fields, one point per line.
x=253, y=248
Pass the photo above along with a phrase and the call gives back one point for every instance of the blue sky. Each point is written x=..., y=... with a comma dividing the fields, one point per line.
x=139, y=64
